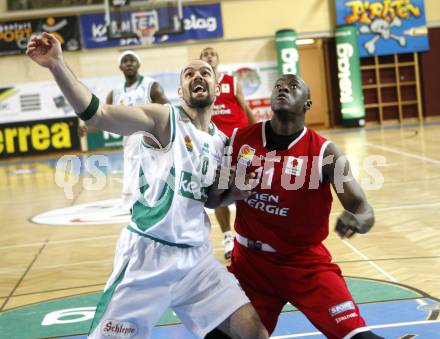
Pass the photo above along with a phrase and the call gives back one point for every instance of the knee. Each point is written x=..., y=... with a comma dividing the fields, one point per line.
x=257, y=330
x=261, y=332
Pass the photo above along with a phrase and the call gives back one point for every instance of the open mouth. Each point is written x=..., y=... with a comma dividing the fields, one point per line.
x=199, y=89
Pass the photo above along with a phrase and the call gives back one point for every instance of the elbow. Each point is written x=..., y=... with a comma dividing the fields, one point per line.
x=212, y=203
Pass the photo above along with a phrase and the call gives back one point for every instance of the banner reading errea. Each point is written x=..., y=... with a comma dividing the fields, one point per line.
x=38, y=137
x=14, y=35
x=385, y=26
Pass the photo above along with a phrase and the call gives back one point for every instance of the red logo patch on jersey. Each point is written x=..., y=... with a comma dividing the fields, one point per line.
x=293, y=166
x=245, y=155
x=188, y=143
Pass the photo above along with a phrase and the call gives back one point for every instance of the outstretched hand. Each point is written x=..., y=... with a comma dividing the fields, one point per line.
x=226, y=183
x=349, y=224
x=240, y=190
x=44, y=49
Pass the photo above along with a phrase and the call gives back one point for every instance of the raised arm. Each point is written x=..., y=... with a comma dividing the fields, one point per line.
x=358, y=216
x=45, y=50
x=243, y=105
x=158, y=95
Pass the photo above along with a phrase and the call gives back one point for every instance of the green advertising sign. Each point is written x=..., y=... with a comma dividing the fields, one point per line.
x=349, y=76
x=100, y=140
x=287, y=52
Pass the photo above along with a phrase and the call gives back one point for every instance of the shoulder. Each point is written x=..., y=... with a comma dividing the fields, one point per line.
x=147, y=80
x=226, y=78
x=317, y=140
x=313, y=134
x=118, y=89
x=247, y=133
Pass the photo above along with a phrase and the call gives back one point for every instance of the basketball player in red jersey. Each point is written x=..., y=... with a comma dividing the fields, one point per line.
x=279, y=256
x=230, y=111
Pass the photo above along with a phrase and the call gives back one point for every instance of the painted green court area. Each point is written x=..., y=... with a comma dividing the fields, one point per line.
x=73, y=315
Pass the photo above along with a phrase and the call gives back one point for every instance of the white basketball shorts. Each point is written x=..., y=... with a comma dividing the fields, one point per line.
x=148, y=277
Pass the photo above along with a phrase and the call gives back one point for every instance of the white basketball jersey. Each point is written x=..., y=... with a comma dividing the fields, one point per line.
x=136, y=94
x=174, y=183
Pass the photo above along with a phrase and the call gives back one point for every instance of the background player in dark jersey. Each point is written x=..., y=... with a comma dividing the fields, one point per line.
x=230, y=111
x=280, y=256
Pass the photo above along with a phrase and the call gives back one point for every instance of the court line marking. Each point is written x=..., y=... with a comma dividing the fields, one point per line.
x=55, y=242
x=335, y=213
x=409, y=323
x=352, y=247
x=14, y=270
x=371, y=263
x=394, y=208
x=407, y=154
x=22, y=277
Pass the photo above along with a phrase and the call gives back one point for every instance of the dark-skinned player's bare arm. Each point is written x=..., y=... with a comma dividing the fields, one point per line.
x=358, y=215
x=230, y=185
x=157, y=94
x=154, y=119
x=243, y=105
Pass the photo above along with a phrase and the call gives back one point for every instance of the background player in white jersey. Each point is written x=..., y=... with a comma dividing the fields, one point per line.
x=163, y=259
x=230, y=111
x=136, y=90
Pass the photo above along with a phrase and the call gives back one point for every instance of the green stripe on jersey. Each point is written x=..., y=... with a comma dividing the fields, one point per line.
x=143, y=184
x=131, y=229
x=146, y=216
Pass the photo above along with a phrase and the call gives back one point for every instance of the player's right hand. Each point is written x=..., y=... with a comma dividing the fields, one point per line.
x=45, y=50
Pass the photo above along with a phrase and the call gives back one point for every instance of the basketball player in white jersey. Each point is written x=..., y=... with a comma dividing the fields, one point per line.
x=136, y=90
x=163, y=258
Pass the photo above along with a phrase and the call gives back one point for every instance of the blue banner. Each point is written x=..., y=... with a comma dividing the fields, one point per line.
x=385, y=26
x=199, y=22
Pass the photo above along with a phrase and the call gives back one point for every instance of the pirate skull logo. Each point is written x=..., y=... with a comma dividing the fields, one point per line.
x=381, y=29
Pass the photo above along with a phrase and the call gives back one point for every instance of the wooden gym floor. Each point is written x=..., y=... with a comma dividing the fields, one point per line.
x=42, y=262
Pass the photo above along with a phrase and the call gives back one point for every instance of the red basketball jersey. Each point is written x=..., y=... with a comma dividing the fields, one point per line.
x=227, y=113
x=290, y=207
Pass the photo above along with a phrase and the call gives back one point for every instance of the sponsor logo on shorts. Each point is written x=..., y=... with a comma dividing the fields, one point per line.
x=118, y=329
x=338, y=309
x=345, y=317
x=246, y=154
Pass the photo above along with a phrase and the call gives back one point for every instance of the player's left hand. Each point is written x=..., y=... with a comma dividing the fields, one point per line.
x=348, y=224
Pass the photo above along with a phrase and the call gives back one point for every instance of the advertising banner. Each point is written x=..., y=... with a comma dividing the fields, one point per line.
x=14, y=35
x=287, y=52
x=199, y=22
x=33, y=102
x=101, y=140
x=38, y=137
x=349, y=76
x=385, y=26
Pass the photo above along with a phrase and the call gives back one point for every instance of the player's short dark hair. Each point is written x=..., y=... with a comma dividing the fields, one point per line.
x=215, y=74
